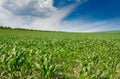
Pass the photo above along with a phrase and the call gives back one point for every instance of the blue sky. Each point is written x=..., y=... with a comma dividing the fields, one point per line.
x=96, y=10
x=61, y=15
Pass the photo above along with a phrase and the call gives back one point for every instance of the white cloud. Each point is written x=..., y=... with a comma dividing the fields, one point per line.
x=39, y=8
x=54, y=22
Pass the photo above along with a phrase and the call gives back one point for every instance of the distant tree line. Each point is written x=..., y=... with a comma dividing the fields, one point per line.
x=5, y=27
x=8, y=27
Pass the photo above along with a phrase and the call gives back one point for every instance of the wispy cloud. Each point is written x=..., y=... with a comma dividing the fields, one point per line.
x=95, y=26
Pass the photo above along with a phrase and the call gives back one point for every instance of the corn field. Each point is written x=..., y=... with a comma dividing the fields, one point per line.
x=26, y=54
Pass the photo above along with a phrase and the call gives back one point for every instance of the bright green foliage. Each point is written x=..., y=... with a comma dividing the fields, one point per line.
x=58, y=55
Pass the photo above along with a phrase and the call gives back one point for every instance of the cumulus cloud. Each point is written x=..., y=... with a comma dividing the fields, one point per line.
x=39, y=8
